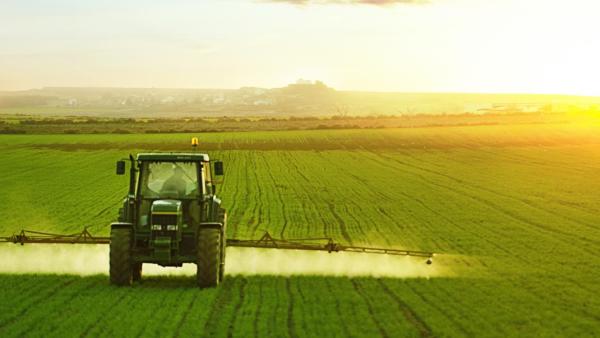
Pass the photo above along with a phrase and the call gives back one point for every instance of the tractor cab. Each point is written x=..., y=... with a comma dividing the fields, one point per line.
x=162, y=183
x=170, y=189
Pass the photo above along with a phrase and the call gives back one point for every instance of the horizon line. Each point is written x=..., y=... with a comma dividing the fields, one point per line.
x=271, y=88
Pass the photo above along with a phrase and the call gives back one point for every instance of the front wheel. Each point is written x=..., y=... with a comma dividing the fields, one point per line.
x=120, y=257
x=208, y=257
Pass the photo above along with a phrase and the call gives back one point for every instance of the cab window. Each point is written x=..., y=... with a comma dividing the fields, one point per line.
x=169, y=180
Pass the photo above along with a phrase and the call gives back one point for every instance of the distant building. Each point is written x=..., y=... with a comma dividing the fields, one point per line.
x=476, y=108
x=168, y=99
x=263, y=102
x=303, y=82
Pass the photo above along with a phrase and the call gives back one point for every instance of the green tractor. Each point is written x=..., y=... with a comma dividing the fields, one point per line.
x=171, y=216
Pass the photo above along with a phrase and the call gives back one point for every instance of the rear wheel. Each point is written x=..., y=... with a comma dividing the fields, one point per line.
x=120, y=257
x=208, y=257
x=137, y=272
x=223, y=220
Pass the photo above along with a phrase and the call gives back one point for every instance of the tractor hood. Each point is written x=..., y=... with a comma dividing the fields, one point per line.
x=166, y=207
x=166, y=215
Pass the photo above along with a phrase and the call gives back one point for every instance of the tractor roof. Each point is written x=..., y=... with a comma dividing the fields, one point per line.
x=172, y=157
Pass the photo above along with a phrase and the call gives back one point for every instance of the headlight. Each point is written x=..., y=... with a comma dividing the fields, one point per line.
x=172, y=227
x=156, y=227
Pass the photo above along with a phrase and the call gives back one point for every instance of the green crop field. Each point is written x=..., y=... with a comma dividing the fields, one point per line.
x=514, y=212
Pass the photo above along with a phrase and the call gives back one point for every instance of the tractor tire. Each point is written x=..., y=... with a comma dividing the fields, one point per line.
x=222, y=265
x=120, y=257
x=208, y=257
x=223, y=220
x=137, y=272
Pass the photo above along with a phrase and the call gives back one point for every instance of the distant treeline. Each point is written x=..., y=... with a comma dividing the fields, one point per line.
x=24, y=101
x=76, y=120
x=294, y=100
x=21, y=124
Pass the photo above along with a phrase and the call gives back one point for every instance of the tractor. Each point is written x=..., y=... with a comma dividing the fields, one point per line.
x=170, y=216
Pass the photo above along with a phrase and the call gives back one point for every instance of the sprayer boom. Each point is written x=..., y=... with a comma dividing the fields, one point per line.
x=28, y=236
x=266, y=242
x=319, y=244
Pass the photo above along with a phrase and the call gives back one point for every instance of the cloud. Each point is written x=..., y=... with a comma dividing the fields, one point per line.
x=349, y=2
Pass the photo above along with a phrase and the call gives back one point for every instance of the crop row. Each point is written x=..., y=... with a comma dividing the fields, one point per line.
x=47, y=305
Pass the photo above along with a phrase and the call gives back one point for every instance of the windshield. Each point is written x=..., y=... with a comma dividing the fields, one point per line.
x=169, y=180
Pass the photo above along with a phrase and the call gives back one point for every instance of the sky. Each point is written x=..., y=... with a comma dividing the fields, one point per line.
x=492, y=46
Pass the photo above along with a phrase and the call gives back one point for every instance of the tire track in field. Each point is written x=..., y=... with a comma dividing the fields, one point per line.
x=407, y=312
x=340, y=222
x=253, y=222
x=410, y=315
x=218, y=307
x=234, y=199
x=375, y=225
x=166, y=301
x=314, y=197
x=528, y=160
x=183, y=319
x=277, y=299
x=99, y=213
x=67, y=300
x=262, y=196
x=260, y=200
x=481, y=291
x=247, y=194
x=257, y=312
x=71, y=217
x=507, y=212
x=434, y=305
x=237, y=307
x=490, y=230
x=111, y=307
x=62, y=301
x=358, y=206
x=502, y=210
x=459, y=226
x=401, y=233
x=464, y=229
x=380, y=195
x=301, y=305
x=365, y=298
x=358, y=229
x=232, y=226
x=297, y=170
x=281, y=203
x=32, y=288
x=476, y=291
x=338, y=311
x=309, y=193
x=491, y=191
x=52, y=292
x=542, y=294
x=326, y=225
x=290, y=309
x=510, y=197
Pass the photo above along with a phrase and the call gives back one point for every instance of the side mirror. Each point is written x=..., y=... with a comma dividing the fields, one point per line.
x=219, y=168
x=120, y=167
